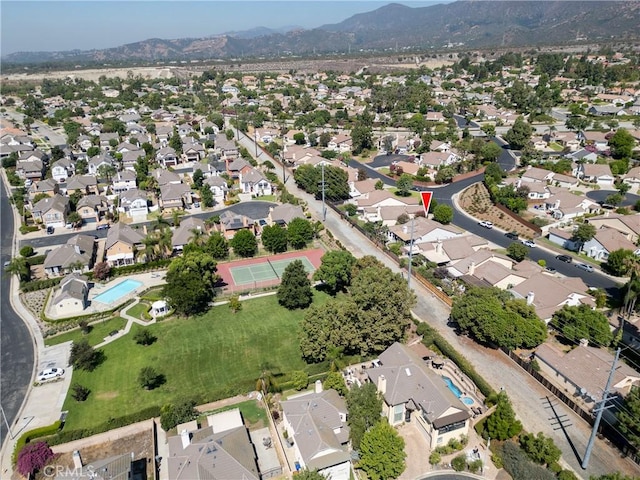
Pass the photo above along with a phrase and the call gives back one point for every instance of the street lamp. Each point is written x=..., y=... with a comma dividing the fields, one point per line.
x=410, y=253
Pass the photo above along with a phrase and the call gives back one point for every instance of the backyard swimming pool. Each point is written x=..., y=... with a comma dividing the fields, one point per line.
x=457, y=392
x=118, y=291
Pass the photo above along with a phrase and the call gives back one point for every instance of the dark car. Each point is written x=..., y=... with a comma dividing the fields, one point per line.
x=564, y=258
x=512, y=235
x=103, y=226
x=50, y=230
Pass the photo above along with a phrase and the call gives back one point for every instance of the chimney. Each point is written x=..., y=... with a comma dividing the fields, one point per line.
x=530, y=297
x=584, y=342
x=472, y=268
x=404, y=228
x=186, y=439
x=439, y=246
x=382, y=384
x=318, y=386
x=77, y=459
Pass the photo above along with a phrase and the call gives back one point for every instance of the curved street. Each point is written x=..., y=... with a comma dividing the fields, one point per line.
x=18, y=356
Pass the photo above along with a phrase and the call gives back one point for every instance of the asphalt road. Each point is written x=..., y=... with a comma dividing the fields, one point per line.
x=17, y=356
x=255, y=209
x=630, y=199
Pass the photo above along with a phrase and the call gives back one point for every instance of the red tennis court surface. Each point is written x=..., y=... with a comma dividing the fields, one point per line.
x=262, y=272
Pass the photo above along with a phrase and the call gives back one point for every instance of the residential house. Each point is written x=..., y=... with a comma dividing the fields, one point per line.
x=628, y=225
x=437, y=159
x=566, y=205
x=547, y=294
x=163, y=133
x=255, y=183
x=283, y=214
x=340, y=143
x=564, y=181
x=51, y=211
x=362, y=187
x=84, y=184
x=167, y=157
x=452, y=249
x=100, y=160
x=537, y=191
x=129, y=159
x=596, y=173
x=632, y=178
x=30, y=169
x=192, y=150
x=467, y=265
x=70, y=297
x=230, y=223
x=412, y=392
x=185, y=233
x=584, y=370
x=596, y=139
x=106, y=139
x=175, y=195
x=536, y=175
x=92, y=208
x=606, y=110
x=62, y=169
x=123, y=181
x=496, y=270
x=221, y=450
x=48, y=186
x=435, y=117
x=236, y=168
x=424, y=230
x=122, y=244
x=583, y=156
x=607, y=240
x=368, y=204
x=134, y=203
x=564, y=239
x=226, y=149
x=218, y=188
x=84, y=143
x=33, y=155
x=317, y=424
x=77, y=255
x=125, y=147
x=209, y=168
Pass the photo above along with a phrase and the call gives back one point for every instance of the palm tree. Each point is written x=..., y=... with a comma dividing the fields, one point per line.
x=160, y=221
x=150, y=243
x=266, y=383
x=197, y=237
x=19, y=267
x=632, y=288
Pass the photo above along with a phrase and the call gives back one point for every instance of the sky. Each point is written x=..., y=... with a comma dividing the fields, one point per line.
x=68, y=25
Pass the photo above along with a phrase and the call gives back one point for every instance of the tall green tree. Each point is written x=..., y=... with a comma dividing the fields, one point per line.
x=490, y=152
x=300, y=232
x=502, y=424
x=361, y=138
x=404, y=185
x=622, y=143
x=364, y=406
x=584, y=233
x=382, y=454
x=244, y=243
x=191, y=281
x=274, y=238
x=520, y=134
x=295, y=287
x=617, y=262
x=335, y=270
x=539, y=448
x=443, y=214
x=217, y=246
x=629, y=417
x=335, y=380
x=576, y=323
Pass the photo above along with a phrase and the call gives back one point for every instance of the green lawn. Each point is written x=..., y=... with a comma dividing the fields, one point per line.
x=98, y=331
x=265, y=198
x=140, y=310
x=152, y=294
x=207, y=358
x=252, y=411
x=413, y=193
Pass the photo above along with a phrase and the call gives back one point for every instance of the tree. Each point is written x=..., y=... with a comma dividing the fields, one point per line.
x=629, y=417
x=217, y=246
x=576, y=323
x=174, y=414
x=84, y=357
x=404, y=185
x=206, y=195
x=520, y=134
x=493, y=316
x=490, y=152
x=361, y=138
x=539, y=448
x=379, y=185
x=489, y=129
x=335, y=270
x=502, y=423
x=364, y=405
x=144, y=337
x=198, y=178
x=493, y=174
x=299, y=380
x=613, y=476
x=175, y=142
x=443, y=214
x=101, y=270
x=235, y=305
x=382, y=454
x=299, y=138
x=309, y=475
x=26, y=251
x=459, y=463
x=33, y=457
x=19, y=267
x=583, y=233
x=300, y=232
x=79, y=392
x=444, y=175
x=614, y=199
x=517, y=251
x=190, y=283
x=274, y=238
x=335, y=380
x=149, y=378
x=295, y=288
x=617, y=262
x=244, y=243
x=74, y=219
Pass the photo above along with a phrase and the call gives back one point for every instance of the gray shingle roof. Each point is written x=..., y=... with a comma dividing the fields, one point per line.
x=124, y=233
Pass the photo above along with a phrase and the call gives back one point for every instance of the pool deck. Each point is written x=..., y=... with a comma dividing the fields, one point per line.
x=148, y=280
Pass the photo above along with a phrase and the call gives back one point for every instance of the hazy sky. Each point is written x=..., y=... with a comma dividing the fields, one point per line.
x=67, y=25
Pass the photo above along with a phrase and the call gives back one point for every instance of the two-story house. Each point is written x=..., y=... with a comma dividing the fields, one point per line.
x=133, y=203
x=51, y=211
x=123, y=181
x=122, y=244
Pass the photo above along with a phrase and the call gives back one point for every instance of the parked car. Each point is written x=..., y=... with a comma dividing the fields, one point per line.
x=49, y=373
x=564, y=258
x=528, y=243
x=485, y=224
x=550, y=270
x=103, y=226
x=196, y=204
x=585, y=267
x=512, y=235
x=50, y=230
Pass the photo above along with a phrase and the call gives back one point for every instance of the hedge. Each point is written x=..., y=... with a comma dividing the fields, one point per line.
x=28, y=229
x=140, y=267
x=40, y=284
x=433, y=337
x=33, y=434
x=36, y=260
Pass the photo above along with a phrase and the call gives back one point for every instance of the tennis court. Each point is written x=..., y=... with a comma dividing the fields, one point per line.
x=267, y=270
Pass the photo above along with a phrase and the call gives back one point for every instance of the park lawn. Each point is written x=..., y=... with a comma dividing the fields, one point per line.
x=99, y=331
x=153, y=294
x=213, y=356
x=140, y=310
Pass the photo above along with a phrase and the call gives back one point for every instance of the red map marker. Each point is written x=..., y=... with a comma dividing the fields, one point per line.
x=426, y=201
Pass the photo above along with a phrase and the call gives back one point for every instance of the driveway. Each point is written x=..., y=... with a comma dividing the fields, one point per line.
x=630, y=199
x=417, y=450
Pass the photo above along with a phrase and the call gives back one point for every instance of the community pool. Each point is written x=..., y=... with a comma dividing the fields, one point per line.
x=118, y=291
x=457, y=392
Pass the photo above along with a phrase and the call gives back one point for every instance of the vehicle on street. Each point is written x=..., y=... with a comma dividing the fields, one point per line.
x=103, y=226
x=528, y=243
x=196, y=204
x=50, y=230
x=585, y=267
x=564, y=258
x=485, y=224
x=512, y=235
x=49, y=373
x=550, y=270
x=7, y=263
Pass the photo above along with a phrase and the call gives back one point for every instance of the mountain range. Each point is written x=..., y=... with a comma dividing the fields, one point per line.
x=468, y=23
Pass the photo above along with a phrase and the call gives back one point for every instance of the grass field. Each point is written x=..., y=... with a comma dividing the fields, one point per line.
x=98, y=331
x=140, y=310
x=213, y=356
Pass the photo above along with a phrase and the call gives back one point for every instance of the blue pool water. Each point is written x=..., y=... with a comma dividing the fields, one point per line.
x=118, y=291
x=457, y=392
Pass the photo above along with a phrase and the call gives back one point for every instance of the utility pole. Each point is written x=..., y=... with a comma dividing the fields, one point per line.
x=235, y=107
x=410, y=254
x=324, y=206
x=600, y=408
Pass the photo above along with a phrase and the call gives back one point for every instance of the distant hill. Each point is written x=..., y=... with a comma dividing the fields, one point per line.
x=472, y=23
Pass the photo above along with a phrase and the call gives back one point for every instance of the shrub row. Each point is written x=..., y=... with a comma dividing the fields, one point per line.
x=28, y=228
x=433, y=337
x=139, y=267
x=36, y=260
x=40, y=284
x=33, y=434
